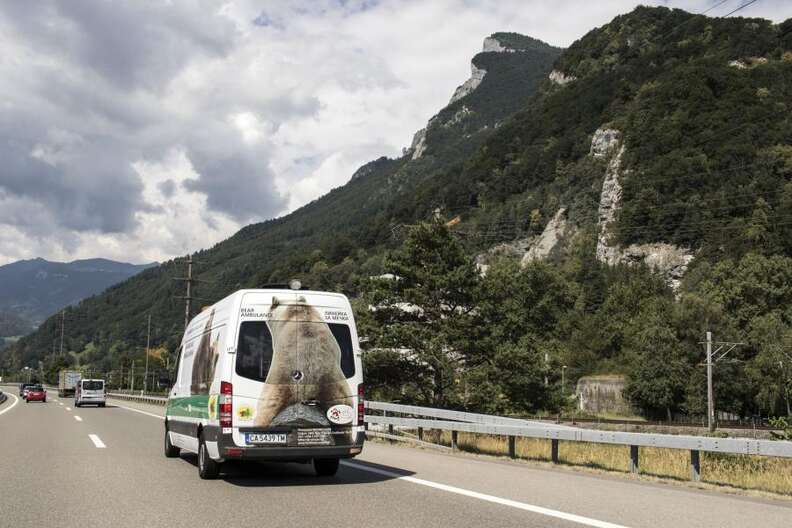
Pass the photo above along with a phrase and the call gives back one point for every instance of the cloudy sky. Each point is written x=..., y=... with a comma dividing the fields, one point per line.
x=143, y=130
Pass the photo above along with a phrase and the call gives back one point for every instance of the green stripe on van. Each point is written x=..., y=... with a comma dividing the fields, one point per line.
x=191, y=407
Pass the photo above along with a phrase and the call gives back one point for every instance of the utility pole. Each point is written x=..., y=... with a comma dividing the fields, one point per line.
x=563, y=379
x=189, y=279
x=710, y=392
x=63, y=323
x=547, y=368
x=187, y=298
x=713, y=356
x=148, y=341
x=132, y=383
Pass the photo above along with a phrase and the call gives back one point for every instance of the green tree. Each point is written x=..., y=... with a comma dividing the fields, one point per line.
x=424, y=309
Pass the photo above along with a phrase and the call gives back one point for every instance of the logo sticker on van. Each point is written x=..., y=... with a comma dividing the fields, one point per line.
x=340, y=414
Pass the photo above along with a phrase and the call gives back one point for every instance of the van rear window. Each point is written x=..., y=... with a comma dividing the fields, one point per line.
x=254, y=349
x=93, y=385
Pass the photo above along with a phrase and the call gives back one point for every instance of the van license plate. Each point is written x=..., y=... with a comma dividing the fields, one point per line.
x=265, y=438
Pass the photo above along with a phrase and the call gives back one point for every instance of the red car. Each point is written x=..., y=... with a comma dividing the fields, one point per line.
x=36, y=394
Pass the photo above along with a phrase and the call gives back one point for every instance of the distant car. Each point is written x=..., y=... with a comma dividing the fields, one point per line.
x=36, y=393
x=22, y=388
x=90, y=392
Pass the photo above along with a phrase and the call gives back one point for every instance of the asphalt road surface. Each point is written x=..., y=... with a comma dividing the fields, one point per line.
x=67, y=467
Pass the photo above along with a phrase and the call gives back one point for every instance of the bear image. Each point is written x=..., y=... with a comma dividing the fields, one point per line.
x=205, y=360
x=305, y=376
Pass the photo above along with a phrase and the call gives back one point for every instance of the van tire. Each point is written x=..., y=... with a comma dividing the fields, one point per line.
x=325, y=467
x=208, y=469
x=171, y=451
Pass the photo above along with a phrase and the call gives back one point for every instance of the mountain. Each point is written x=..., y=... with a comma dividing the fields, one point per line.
x=32, y=290
x=646, y=170
x=327, y=240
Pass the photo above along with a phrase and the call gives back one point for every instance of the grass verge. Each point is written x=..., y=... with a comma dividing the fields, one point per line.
x=743, y=472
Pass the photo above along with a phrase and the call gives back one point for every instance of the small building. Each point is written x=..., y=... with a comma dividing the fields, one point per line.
x=602, y=395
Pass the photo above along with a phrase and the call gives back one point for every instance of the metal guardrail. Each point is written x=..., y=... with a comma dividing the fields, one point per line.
x=458, y=421
x=156, y=400
x=459, y=416
x=484, y=424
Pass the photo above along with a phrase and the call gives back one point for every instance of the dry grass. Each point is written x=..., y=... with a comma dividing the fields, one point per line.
x=768, y=474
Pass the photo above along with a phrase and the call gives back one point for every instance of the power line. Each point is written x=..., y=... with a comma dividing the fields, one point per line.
x=746, y=4
x=714, y=7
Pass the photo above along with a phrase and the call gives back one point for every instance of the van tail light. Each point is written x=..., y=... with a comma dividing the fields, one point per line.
x=361, y=407
x=226, y=403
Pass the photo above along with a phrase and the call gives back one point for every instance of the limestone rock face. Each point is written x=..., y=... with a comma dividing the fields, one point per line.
x=555, y=230
x=493, y=44
x=610, y=200
x=668, y=260
x=560, y=78
x=476, y=76
x=604, y=141
x=458, y=117
x=418, y=146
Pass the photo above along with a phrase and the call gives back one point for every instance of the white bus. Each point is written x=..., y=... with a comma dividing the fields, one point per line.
x=268, y=374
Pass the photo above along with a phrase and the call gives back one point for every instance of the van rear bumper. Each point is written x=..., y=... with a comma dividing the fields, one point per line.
x=289, y=454
x=228, y=450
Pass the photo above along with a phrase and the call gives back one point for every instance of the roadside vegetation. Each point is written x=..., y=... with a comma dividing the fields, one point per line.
x=767, y=474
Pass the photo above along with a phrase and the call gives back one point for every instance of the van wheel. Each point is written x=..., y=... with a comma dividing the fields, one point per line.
x=101, y=405
x=171, y=451
x=208, y=469
x=325, y=467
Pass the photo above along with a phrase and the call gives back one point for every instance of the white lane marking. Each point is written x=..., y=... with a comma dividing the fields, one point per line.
x=490, y=498
x=78, y=418
x=68, y=408
x=97, y=441
x=141, y=412
x=59, y=403
x=16, y=400
x=451, y=489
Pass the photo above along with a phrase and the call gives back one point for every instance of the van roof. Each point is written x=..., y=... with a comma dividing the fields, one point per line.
x=237, y=296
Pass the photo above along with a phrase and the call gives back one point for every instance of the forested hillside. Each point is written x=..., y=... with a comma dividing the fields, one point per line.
x=603, y=207
x=32, y=290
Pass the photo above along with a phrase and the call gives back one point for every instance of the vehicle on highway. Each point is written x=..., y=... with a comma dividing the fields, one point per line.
x=90, y=392
x=23, y=387
x=269, y=374
x=36, y=393
x=67, y=382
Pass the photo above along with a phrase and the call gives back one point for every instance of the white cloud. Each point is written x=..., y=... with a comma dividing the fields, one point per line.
x=153, y=129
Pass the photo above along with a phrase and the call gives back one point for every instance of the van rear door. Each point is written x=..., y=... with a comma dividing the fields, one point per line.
x=295, y=378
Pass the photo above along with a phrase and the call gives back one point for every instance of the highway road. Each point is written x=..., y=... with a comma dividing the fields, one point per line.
x=68, y=467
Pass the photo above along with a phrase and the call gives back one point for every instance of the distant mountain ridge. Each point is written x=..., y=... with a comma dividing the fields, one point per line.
x=32, y=290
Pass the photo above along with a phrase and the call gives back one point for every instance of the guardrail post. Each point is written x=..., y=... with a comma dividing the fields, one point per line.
x=554, y=450
x=695, y=465
x=390, y=428
x=420, y=433
x=634, y=466
x=512, y=447
x=454, y=440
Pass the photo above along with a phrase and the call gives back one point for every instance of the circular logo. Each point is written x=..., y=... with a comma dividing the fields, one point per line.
x=340, y=414
x=297, y=375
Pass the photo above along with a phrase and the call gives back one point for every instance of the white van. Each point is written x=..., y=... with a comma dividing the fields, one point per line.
x=89, y=391
x=269, y=374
